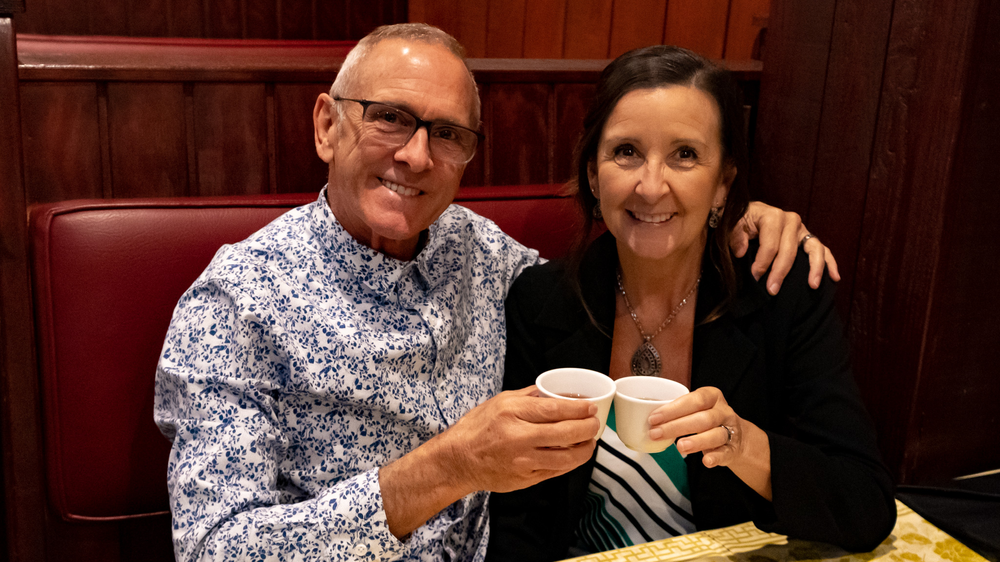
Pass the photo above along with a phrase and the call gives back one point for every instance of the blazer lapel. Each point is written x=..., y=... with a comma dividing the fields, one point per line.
x=722, y=354
x=722, y=351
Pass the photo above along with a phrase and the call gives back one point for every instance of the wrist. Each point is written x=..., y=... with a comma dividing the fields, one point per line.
x=450, y=458
x=752, y=464
x=421, y=483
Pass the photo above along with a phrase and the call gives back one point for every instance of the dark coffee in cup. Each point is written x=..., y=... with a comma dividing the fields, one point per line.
x=574, y=395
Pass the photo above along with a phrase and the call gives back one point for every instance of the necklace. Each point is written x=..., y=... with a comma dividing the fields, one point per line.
x=646, y=360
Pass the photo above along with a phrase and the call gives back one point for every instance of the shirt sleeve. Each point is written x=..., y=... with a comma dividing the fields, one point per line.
x=217, y=387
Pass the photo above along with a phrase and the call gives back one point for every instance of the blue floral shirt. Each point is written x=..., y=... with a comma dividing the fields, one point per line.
x=301, y=361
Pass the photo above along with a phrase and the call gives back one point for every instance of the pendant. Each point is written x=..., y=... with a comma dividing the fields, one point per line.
x=646, y=361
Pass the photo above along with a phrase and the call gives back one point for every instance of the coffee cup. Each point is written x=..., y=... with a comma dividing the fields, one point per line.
x=635, y=399
x=571, y=383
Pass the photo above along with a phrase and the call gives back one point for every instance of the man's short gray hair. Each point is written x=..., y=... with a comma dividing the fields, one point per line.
x=346, y=81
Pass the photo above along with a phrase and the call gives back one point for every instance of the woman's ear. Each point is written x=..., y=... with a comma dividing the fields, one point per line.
x=325, y=127
x=595, y=188
x=725, y=182
x=729, y=175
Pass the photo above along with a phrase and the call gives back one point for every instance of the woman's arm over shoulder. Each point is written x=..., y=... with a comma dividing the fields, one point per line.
x=828, y=480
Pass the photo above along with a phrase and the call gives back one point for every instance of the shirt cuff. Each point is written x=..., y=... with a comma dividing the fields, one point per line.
x=359, y=519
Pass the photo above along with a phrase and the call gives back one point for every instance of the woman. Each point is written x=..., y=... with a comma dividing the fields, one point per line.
x=774, y=430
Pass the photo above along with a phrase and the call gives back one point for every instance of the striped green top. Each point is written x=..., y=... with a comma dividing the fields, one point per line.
x=634, y=497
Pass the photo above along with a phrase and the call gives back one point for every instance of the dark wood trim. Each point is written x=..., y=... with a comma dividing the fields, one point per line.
x=135, y=59
x=218, y=60
x=11, y=7
x=19, y=427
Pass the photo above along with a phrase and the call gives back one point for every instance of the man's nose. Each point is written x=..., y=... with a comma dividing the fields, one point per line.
x=417, y=151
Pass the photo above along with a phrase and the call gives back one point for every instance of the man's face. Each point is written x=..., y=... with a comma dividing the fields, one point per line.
x=385, y=197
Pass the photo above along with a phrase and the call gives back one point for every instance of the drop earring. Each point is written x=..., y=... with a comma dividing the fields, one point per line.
x=714, y=217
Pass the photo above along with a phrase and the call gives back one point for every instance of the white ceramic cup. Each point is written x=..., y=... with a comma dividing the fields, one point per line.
x=571, y=383
x=635, y=400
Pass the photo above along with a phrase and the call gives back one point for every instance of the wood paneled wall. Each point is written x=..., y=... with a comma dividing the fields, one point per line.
x=219, y=19
x=596, y=29
x=591, y=29
x=878, y=123
x=144, y=118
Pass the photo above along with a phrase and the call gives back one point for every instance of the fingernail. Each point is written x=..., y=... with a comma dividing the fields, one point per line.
x=655, y=433
x=592, y=411
x=709, y=462
x=773, y=289
x=655, y=419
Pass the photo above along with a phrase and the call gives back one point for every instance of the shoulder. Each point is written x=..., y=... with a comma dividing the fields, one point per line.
x=461, y=225
x=537, y=284
x=456, y=219
x=463, y=239
x=288, y=239
x=795, y=290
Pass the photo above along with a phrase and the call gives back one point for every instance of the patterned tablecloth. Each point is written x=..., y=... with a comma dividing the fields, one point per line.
x=913, y=539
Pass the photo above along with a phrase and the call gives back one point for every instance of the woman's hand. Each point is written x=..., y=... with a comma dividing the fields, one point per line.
x=711, y=427
x=780, y=234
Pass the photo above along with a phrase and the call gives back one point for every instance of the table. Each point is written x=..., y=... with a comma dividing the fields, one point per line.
x=912, y=539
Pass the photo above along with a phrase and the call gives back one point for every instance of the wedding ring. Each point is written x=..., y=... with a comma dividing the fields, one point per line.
x=806, y=238
x=729, y=433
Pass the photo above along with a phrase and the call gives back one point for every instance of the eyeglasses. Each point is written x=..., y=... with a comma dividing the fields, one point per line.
x=394, y=127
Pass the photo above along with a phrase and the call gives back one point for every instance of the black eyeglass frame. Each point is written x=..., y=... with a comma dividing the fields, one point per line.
x=420, y=123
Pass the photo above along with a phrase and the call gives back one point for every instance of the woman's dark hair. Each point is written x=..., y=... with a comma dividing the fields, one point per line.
x=657, y=67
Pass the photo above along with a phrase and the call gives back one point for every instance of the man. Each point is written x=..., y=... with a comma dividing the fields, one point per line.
x=330, y=384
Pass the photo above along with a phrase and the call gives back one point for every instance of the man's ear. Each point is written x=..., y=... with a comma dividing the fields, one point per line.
x=325, y=118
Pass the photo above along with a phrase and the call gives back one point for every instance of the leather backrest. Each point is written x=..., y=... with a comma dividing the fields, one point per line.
x=106, y=275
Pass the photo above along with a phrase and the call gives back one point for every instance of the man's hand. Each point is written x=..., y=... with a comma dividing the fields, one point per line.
x=515, y=440
x=509, y=442
x=779, y=234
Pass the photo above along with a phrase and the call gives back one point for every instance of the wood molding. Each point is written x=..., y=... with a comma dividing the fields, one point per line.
x=19, y=427
x=11, y=7
x=116, y=58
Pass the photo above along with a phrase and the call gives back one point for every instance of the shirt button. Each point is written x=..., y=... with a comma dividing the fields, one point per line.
x=360, y=550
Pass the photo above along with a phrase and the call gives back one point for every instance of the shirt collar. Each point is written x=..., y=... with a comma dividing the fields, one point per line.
x=372, y=269
x=377, y=271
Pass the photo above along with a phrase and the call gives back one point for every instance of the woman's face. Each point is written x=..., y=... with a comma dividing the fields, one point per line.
x=658, y=171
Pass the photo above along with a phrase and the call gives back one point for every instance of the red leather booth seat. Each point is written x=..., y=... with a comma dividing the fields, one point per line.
x=106, y=277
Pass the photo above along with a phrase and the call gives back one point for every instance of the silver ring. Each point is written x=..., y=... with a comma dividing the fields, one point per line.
x=729, y=433
x=806, y=238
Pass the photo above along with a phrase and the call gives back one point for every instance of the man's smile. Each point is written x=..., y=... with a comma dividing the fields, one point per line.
x=400, y=189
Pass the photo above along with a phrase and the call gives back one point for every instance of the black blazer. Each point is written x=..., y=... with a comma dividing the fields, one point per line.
x=781, y=362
